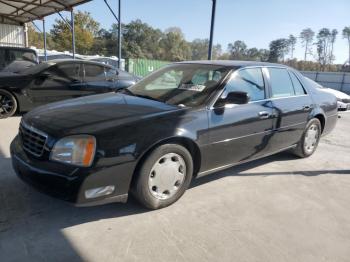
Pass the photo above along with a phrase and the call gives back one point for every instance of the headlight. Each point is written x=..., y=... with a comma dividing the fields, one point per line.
x=76, y=150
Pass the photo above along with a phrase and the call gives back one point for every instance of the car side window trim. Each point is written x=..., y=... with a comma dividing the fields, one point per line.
x=230, y=76
x=296, y=76
x=282, y=97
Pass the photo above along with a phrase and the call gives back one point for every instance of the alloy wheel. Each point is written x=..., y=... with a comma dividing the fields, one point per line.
x=7, y=105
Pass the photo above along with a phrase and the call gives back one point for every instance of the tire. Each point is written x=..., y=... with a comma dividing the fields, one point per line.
x=306, y=146
x=164, y=176
x=8, y=104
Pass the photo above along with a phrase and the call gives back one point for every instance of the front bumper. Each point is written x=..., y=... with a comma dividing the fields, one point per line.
x=70, y=183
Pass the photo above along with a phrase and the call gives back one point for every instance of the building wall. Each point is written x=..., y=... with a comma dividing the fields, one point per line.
x=12, y=35
x=335, y=80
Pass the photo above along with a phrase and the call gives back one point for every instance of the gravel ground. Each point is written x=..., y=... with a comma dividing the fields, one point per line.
x=278, y=208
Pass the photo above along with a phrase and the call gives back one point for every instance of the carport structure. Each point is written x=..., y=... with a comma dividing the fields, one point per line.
x=25, y=11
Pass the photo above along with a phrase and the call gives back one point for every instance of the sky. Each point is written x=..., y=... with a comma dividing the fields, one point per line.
x=256, y=22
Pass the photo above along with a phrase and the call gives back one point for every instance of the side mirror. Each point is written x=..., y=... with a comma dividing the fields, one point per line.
x=235, y=97
x=45, y=75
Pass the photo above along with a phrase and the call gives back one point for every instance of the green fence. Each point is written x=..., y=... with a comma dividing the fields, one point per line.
x=143, y=67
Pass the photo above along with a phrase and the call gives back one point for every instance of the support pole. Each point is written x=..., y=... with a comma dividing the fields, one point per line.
x=119, y=36
x=44, y=33
x=73, y=32
x=210, y=51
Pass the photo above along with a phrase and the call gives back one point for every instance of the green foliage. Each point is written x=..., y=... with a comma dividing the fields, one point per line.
x=325, y=42
x=86, y=29
x=239, y=51
x=292, y=40
x=36, y=38
x=142, y=41
x=139, y=40
x=174, y=47
x=346, y=35
x=278, y=49
x=307, y=37
x=200, y=48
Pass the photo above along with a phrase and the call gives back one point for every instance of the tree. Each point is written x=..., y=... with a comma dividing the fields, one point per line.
x=264, y=55
x=324, y=42
x=86, y=29
x=292, y=42
x=333, y=37
x=140, y=40
x=174, y=46
x=36, y=38
x=237, y=50
x=200, y=47
x=307, y=37
x=346, y=35
x=278, y=49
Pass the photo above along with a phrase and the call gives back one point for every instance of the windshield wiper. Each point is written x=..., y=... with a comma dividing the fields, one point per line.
x=148, y=97
x=125, y=90
x=128, y=92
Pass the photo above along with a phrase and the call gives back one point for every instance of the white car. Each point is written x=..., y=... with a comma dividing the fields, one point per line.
x=343, y=99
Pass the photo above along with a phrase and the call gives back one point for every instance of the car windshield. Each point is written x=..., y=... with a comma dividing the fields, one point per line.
x=181, y=84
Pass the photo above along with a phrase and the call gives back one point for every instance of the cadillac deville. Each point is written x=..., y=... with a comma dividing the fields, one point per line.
x=184, y=121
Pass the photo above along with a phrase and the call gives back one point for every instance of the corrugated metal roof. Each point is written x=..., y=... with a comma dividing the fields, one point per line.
x=23, y=11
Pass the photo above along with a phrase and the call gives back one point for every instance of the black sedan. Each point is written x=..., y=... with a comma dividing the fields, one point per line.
x=186, y=120
x=57, y=80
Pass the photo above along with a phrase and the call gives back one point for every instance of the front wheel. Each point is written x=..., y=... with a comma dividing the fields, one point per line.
x=8, y=104
x=310, y=139
x=164, y=176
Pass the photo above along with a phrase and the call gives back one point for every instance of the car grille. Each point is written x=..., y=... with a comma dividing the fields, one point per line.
x=33, y=140
x=346, y=100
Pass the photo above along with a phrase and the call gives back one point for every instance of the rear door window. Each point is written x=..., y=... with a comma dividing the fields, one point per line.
x=94, y=73
x=70, y=71
x=281, y=83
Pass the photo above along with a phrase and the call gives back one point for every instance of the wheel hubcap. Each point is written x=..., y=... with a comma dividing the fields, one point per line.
x=167, y=176
x=311, y=138
x=6, y=105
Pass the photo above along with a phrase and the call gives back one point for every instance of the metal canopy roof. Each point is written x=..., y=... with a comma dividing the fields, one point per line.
x=23, y=11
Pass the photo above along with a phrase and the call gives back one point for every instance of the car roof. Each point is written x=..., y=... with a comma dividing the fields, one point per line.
x=70, y=60
x=233, y=63
x=18, y=48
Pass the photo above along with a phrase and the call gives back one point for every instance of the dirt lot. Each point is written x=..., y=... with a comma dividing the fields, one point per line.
x=276, y=209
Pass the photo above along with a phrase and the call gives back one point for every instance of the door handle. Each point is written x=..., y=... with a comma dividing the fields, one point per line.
x=264, y=115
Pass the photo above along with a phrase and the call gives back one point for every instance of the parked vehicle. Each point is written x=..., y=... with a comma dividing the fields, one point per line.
x=57, y=80
x=186, y=120
x=343, y=100
x=14, y=59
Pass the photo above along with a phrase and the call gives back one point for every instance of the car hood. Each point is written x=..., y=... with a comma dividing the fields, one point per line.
x=94, y=113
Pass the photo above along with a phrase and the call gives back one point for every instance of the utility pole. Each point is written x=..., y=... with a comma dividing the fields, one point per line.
x=73, y=32
x=44, y=33
x=210, y=51
x=119, y=36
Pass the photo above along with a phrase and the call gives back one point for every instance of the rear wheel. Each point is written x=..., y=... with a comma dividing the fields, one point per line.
x=310, y=139
x=8, y=104
x=164, y=176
